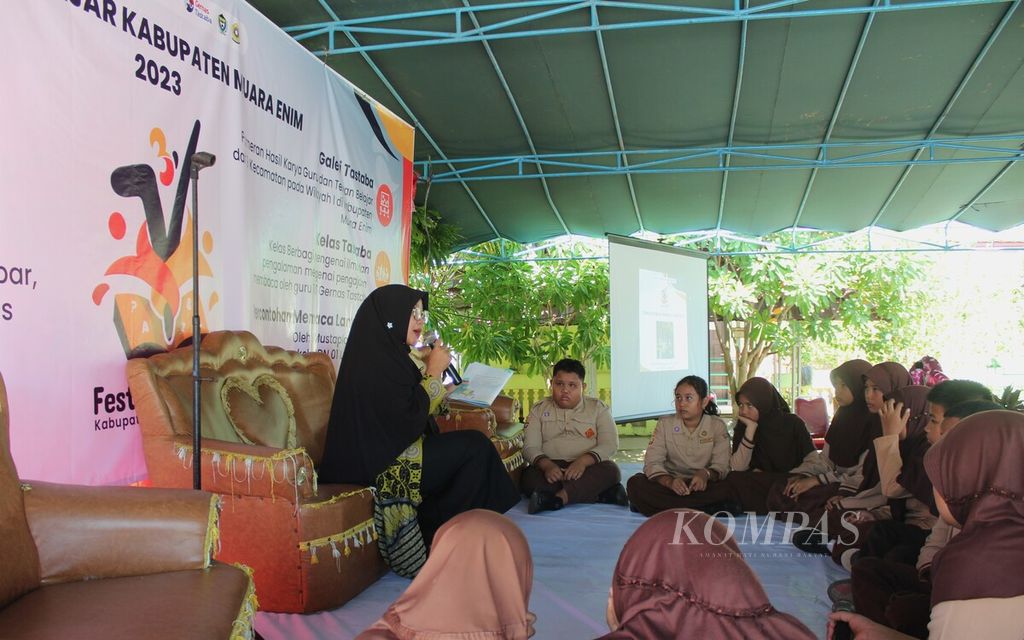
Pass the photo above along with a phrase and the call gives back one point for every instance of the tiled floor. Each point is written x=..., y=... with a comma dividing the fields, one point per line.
x=574, y=553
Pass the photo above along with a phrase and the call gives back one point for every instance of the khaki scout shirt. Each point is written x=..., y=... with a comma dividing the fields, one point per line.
x=566, y=434
x=676, y=450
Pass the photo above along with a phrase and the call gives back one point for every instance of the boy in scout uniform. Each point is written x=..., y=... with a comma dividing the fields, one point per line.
x=569, y=440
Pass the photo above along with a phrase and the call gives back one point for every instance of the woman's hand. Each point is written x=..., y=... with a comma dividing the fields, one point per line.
x=894, y=419
x=798, y=484
x=438, y=359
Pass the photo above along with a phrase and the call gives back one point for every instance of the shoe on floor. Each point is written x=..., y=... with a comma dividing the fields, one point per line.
x=543, y=501
x=615, y=494
x=810, y=541
x=840, y=593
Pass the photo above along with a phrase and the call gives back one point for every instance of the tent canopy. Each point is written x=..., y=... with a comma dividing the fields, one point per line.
x=539, y=118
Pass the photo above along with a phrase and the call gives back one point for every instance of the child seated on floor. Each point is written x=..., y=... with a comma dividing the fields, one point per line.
x=859, y=500
x=977, y=583
x=847, y=441
x=687, y=457
x=569, y=441
x=681, y=575
x=768, y=442
x=475, y=584
x=897, y=594
x=900, y=453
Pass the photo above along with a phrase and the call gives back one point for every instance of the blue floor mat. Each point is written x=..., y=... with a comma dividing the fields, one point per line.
x=574, y=554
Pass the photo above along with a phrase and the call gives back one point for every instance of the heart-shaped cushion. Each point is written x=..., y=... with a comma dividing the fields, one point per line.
x=260, y=410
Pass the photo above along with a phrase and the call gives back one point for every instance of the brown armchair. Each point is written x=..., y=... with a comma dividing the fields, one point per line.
x=498, y=422
x=264, y=419
x=112, y=562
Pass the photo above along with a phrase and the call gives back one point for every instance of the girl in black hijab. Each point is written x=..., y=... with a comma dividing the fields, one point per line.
x=381, y=432
x=768, y=442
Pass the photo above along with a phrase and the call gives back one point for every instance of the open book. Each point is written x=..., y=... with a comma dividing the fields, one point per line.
x=481, y=384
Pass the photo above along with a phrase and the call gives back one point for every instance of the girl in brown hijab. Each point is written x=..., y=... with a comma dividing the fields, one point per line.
x=681, y=575
x=847, y=441
x=977, y=582
x=768, y=442
x=860, y=500
x=475, y=585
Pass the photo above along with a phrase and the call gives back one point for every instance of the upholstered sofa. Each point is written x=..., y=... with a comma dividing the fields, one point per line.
x=264, y=417
x=112, y=562
x=499, y=422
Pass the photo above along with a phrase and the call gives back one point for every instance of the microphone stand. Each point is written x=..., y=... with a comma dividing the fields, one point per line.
x=199, y=160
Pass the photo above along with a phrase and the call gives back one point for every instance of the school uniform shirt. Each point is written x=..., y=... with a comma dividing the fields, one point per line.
x=566, y=434
x=679, y=451
x=890, y=463
x=988, y=618
x=870, y=499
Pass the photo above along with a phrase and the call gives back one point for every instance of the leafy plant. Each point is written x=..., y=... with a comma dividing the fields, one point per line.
x=432, y=240
x=1011, y=399
x=763, y=302
x=528, y=310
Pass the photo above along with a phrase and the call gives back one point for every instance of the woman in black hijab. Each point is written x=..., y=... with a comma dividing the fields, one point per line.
x=381, y=432
x=768, y=442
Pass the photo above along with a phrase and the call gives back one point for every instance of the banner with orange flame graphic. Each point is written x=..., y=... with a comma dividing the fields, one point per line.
x=306, y=210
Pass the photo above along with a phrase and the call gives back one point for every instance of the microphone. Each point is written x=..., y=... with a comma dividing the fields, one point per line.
x=841, y=630
x=203, y=159
x=453, y=373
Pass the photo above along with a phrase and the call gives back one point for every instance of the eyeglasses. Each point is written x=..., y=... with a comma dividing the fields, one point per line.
x=420, y=314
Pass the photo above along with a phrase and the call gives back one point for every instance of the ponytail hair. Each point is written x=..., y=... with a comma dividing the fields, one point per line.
x=701, y=387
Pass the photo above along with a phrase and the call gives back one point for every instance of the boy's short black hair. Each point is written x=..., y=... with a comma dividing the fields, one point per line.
x=953, y=392
x=971, y=407
x=569, y=365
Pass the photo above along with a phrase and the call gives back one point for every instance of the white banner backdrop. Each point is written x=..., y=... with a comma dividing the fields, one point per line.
x=306, y=210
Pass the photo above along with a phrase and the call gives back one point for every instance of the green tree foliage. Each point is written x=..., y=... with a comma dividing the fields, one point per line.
x=848, y=304
x=528, y=312
x=541, y=305
x=432, y=241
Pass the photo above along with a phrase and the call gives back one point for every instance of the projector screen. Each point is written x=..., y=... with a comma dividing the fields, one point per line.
x=659, y=324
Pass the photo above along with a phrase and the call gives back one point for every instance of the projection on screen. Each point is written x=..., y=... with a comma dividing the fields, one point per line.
x=659, y=324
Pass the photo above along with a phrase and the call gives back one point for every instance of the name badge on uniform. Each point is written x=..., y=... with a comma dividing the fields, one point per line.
x=706, y=440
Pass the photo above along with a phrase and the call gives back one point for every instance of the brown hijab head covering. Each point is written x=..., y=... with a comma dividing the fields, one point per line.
x=852, y=430
x=781, y=440
x=681, y=575
x=475, y=585
x=977, y=470
x=890, y=378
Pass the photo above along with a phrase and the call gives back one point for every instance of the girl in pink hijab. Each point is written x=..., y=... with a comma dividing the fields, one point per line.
x=681, y=575
x=475, y=585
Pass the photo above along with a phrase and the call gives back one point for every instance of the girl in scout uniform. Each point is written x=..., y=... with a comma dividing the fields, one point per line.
x=687, y=457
